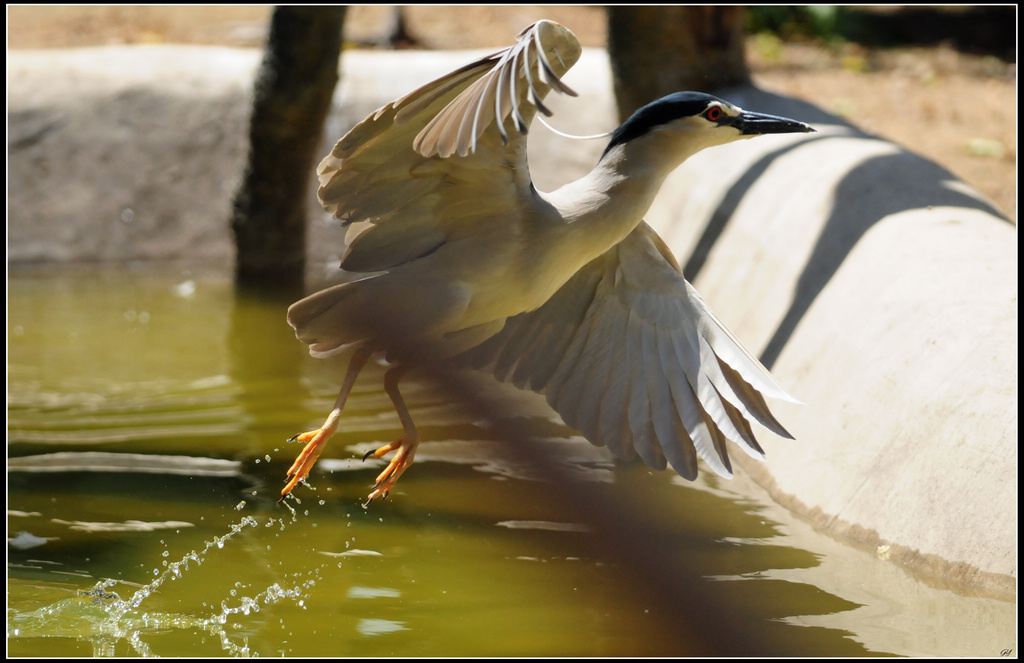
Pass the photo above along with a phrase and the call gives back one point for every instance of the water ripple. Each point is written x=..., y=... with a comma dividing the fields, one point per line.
x=101, y=413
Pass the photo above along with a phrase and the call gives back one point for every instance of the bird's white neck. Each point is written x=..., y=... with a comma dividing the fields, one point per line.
x=601, y=208
x=586, y=218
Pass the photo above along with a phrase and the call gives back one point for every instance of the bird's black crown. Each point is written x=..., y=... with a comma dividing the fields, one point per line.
x=662, y=111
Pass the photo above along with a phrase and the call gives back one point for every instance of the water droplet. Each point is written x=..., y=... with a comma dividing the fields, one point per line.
x=185, y=288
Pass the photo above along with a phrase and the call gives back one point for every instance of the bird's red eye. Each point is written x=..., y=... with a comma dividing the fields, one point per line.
x=713, y=114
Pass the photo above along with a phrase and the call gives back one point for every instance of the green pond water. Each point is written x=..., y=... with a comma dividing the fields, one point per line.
x=148, y=413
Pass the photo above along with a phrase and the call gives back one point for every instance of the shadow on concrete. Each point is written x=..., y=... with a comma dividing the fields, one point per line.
x=873, y=190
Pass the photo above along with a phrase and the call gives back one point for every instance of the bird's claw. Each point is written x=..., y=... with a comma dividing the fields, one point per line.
x=315, y=441
x=374, y=495
x=405, y=448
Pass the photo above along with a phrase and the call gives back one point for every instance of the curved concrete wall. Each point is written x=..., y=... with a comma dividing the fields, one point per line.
x=880, y=290
x=125, y=153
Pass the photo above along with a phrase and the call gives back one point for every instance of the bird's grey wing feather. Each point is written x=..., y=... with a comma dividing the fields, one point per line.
x=448, y=156
x=627, y=352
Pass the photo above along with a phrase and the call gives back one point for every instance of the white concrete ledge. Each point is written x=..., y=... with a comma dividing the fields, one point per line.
x=880, y=290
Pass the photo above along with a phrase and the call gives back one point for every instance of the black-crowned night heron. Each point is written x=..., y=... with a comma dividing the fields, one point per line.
x=568, y=293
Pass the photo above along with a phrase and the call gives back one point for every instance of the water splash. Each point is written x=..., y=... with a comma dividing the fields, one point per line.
x=102, y=617
x=174, y=570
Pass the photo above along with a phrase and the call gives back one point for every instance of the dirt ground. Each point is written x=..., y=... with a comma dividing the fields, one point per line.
x=956, y=109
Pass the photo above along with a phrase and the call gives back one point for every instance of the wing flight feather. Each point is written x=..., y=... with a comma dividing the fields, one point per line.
x=628, y=353
x=440, y=160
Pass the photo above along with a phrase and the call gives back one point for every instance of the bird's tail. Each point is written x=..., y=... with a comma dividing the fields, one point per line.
x=324, y=320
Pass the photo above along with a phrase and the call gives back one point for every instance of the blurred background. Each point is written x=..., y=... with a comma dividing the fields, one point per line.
x=940, y=81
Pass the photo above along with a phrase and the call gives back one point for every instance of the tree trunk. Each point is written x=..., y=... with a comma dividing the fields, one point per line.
x=659, y=50
x=294, y=88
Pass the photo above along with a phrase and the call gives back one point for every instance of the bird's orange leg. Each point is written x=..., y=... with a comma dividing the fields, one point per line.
x=316, y=439
x=405, y=446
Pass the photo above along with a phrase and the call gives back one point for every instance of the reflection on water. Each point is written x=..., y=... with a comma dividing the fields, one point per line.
x=147, y=414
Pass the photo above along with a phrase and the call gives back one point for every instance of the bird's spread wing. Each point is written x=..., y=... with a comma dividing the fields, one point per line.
x=432, y=164
x=628, y=353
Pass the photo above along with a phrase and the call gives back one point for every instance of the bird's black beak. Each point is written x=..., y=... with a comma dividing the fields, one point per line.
x=753, y=124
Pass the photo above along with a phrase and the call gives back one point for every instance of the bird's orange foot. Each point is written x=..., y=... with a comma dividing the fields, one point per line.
x=315, y=439
x=405, y=448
